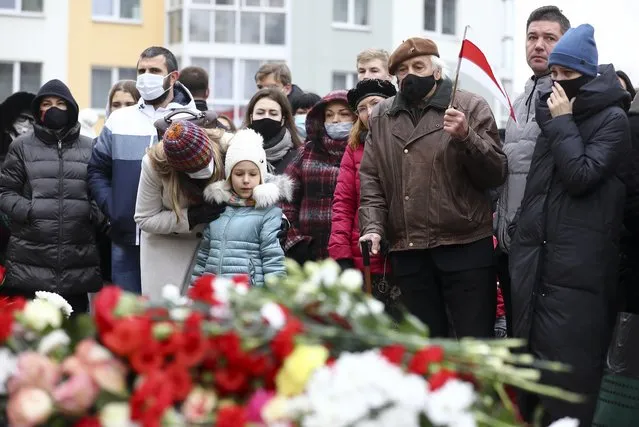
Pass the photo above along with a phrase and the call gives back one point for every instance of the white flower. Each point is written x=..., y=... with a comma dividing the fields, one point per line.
x=274, y=315
x=8, y=367
x=179, y=314
x=171, y=293
x=347, y=393
x=56, y=300
x=449, y=405
x=566, y=422
x=351, y=280
x=329, y=273
x=40, y=313
x=371, y=306
x=53, y=340
x=115, y=414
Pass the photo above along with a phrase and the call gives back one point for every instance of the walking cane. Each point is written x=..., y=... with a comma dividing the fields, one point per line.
x=366, y=257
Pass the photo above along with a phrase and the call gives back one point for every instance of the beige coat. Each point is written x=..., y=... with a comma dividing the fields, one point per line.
x=167, y=247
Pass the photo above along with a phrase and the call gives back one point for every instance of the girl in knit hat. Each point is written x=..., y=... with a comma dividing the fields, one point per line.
x=170, y=208
x=244, y=240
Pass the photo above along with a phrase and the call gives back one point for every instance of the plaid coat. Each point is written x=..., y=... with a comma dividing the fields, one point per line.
x=314, y=172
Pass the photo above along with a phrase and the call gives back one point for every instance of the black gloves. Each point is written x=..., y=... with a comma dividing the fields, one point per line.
x=346, y=263
x=303, y=251
x=204, y=213
x=281, y=235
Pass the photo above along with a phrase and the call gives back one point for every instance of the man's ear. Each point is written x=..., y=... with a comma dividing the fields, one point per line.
x=437, y=74
x=174, y=76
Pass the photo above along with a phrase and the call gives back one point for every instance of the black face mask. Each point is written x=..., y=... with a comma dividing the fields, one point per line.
x=268, y=128
x=55, y=118
x=415, y=88
x=572, y=87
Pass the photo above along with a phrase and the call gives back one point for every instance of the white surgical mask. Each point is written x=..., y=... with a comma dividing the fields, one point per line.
x=151, y=86
x=205, y=173
x=300, y=124
x=338, y=131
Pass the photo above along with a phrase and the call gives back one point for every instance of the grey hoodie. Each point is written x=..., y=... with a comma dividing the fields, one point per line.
x=519, y=144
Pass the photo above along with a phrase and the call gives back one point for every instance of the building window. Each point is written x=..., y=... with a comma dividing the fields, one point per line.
x=33, y=6
x=102, y=79
x=232, y=83
x=260, y=22
x=128, y=10
x=344, y=80
x=351, y=12
x=440, y=16
x=19, y=76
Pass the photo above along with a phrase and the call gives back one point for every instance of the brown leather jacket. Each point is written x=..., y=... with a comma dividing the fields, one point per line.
x=421, y=189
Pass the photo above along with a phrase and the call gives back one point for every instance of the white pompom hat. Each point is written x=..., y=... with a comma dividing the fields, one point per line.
x=246, y=145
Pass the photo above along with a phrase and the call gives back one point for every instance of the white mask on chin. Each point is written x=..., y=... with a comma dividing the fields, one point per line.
x=205, y=173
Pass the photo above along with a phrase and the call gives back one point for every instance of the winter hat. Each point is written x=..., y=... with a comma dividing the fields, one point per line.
x=577, y=50
x=56, y=88
x=246, y=145
x=415, y=46
x=370, y=87
x=187, y=147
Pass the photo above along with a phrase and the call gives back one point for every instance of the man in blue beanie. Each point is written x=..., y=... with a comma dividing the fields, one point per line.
x=564, y=248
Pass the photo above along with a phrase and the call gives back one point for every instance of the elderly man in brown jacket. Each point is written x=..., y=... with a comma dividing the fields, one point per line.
x=425, y=175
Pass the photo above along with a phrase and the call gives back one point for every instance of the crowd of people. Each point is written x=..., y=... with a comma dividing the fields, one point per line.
x=547, y=215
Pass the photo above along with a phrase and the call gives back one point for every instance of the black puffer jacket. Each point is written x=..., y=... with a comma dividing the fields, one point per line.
x=565, y=251
x=43, y=189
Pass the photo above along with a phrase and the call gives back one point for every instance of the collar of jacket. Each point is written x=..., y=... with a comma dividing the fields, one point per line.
x=50, y=136
x=439, y=100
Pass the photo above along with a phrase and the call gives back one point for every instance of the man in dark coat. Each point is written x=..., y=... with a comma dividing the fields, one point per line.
x=564, y=255
x=44, y=191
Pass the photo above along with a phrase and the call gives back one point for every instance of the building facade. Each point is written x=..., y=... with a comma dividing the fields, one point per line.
x=320, y=39
x=34, y=46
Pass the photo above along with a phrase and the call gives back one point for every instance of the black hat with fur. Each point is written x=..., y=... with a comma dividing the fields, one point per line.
x=370, y=87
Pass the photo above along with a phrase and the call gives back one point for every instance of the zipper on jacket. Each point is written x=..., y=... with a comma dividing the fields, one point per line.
x=223, y=245
x=60, y=203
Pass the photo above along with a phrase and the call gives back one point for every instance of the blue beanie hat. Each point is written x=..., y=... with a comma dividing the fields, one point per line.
x=577, y=50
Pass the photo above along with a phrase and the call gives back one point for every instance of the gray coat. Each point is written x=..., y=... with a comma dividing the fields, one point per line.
x=519, y=145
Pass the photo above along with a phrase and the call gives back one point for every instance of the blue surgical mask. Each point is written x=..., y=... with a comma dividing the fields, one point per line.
x=338, y=131
x=300, y=124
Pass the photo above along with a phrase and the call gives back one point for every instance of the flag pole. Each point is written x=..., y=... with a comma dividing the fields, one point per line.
x=452, y=98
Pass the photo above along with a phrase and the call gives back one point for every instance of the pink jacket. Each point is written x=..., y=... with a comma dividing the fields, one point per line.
x=344, y=240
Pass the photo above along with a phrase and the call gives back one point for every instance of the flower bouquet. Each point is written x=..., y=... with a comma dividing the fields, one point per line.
x=308, y=349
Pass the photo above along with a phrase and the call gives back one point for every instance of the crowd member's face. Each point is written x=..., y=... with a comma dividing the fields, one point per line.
x=622, y=82
x=245, y=176
x=338, y=112
x=541, y=38
x=365, y=107
x=50, y=102
x=266, y=108
x=268, y=81
x=559, y=73
x=373, y=69
x=157, y=65
x=121, y=99
x=420, y=66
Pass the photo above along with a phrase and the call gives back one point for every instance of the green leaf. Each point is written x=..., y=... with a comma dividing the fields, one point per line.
x=82, y=327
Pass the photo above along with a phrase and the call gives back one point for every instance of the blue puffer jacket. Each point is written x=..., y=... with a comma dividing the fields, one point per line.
x=243, y=240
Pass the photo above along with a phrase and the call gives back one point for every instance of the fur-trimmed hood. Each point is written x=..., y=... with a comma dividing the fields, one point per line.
x=275, y=188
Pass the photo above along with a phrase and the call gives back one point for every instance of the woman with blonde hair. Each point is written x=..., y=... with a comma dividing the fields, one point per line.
x=170, y=208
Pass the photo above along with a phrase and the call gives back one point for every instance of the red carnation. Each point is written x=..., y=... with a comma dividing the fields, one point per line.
x=394, y=353
x=192, y=350
x=231, y=416
x=422, y=359
x=231, y=381
x=103, y=306
x=193, y=323
x=171, y=344
x=228, y=345
x=203, y=290
x=88, y=422
x=147, y=358
x=282, y=344
x=127, y=335
x=151, y=399
x=8, y=307
x=439, y=378
x=181, y=383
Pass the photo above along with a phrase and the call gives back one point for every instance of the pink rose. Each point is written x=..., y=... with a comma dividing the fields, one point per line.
x=34, y=370
x=77, y=394
x=29, y=407
x=254, y=408
x=110, y=376
x=199, y=404
x=91, y=353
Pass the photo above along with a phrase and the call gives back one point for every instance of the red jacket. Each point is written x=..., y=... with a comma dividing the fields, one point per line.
x=344, y=240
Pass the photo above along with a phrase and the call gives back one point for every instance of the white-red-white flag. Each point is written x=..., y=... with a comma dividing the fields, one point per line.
x=475, y=64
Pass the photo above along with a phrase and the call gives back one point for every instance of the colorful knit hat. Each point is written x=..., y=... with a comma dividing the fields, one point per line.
x=187, y=147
